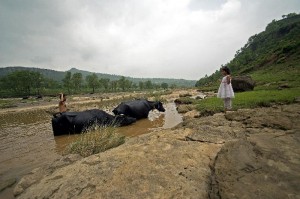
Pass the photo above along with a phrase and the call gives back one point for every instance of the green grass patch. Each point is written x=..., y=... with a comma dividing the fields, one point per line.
x=273, y=77
x=250, y=99
x=6, y=104
x=95, y=140
x=212, y=105
x=212, y=87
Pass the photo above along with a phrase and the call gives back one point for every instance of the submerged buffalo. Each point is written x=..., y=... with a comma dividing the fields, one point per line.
x=138, y=108
x=77, y=122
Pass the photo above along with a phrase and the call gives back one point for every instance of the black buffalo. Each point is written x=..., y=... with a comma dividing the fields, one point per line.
x=77, y=122
x=138, y=108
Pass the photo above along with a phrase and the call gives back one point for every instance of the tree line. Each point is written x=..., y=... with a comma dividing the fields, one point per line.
x=24, y=82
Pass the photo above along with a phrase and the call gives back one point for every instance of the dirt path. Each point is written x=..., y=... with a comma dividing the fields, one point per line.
x=245, y=154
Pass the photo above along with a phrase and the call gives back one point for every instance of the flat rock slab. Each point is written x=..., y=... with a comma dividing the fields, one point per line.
x=279, y=117
x=149, y=166
x=263, y=167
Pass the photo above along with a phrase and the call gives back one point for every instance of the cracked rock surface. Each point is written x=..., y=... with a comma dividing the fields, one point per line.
x=243, y=154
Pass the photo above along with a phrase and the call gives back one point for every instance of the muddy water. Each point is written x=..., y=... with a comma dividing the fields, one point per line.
x=155, y=120
x=27, y=141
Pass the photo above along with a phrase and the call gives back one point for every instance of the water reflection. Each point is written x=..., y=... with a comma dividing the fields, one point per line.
x=61, y=142
x=142, y=126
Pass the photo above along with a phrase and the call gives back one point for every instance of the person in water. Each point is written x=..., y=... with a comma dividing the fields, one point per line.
x=62, y=107
x=225, y=90
x=62, y=103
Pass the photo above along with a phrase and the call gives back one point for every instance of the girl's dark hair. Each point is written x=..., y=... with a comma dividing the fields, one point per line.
x=226, y=69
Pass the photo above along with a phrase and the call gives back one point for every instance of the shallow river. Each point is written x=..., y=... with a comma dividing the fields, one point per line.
x=27, y=141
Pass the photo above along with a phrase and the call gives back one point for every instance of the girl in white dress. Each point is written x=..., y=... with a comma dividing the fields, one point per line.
x=225, y=90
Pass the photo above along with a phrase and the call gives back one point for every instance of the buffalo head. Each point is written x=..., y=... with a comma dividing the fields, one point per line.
x=159, y=106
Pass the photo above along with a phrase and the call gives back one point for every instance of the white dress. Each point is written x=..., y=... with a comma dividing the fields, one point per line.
x=225, y=90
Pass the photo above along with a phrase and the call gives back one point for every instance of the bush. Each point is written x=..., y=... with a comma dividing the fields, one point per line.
x=95, y=140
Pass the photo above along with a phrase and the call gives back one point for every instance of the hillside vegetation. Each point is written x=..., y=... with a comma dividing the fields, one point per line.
x=271, y=57
x=23, y=81
x=59, y=75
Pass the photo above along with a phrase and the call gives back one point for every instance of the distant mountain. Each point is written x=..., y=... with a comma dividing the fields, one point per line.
x=59, y=75
x=275, y=50
x=178, y=82
x=55, y=75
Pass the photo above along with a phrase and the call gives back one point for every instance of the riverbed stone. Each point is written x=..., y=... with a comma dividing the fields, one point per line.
x=285, y=117
x=37, y=174
x=242, y=83
x=264, y=166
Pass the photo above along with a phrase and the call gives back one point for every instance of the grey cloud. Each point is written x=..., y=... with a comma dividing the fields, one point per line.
x=41, y=60
x=206, y=4
x=149, y=38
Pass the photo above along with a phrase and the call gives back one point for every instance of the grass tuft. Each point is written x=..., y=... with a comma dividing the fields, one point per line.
x=6, y=104
x=95, y=140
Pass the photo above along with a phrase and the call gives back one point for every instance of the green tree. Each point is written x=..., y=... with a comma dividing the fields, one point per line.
x=173, y=86
x=148, y=84
x=134, y=86
x=128, y=84
x=164, y=85
x=51, y=83
x=289, y=15
x=67, y=81
x=292, y=15
x=114, y=85
x=104, y=82
x=92, y=81
x=23, y=82
x=122, y=83
x=141, y=85
x=37, y=81
x=77, y=81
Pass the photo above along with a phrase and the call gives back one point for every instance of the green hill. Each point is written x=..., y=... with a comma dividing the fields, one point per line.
x=59, y=75
x=271, y=57
x=52, y=74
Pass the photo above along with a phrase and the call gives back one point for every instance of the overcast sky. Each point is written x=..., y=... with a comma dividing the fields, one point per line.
x=140, y=38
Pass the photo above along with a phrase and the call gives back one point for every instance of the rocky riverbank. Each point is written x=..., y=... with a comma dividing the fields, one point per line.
x=243, y=154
